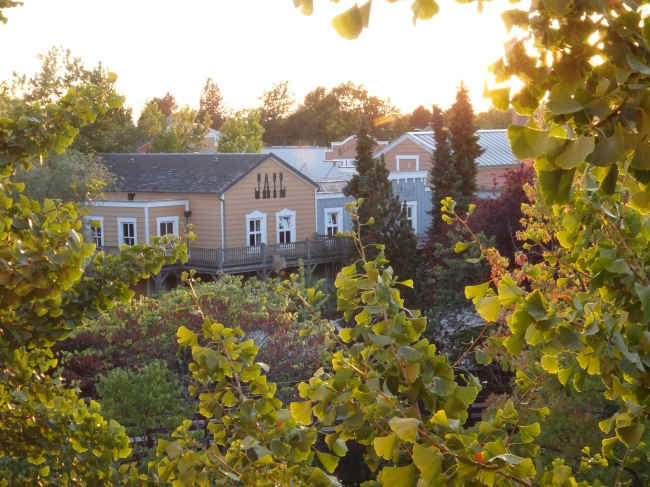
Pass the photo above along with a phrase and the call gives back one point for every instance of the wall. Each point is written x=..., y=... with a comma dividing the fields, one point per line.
x=240, y=200
x=486, y=175
x=111, y=214
x=407, y=148
x=206, y=214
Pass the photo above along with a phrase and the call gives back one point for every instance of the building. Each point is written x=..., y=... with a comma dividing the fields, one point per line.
x=248, y=210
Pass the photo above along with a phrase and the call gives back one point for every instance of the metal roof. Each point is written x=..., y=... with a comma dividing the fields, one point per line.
x=495, y=142
x=186, y=173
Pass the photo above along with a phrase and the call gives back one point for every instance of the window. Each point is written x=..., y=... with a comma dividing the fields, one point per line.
x=167, y=225
x=127, y=231
x=97, y=230
x=407, y=163
x=286, y=226
x=333, y=221
x=346, y=163
x=255, y=228
x=131, y=196
x=412, y=214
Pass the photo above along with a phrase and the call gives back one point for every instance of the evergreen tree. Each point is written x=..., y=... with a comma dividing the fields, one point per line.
x=391, y=228
x=211, y=103
x=443, y=174
x=464, y=147
x=167, y=104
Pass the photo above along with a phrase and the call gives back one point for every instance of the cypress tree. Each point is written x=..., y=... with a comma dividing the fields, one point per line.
x=443, y=174
x=391, y=227
x=453, y=162
x=464, y=147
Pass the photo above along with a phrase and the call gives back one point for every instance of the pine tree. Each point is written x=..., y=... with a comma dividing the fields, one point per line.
x=464, y=147
x=212, y=103
x=391, y=227
x=443, y=174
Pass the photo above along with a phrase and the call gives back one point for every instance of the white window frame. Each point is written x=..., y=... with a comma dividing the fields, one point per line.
x=256, y=215
x=292, y=224
x=100, y=219
x=407, y=158
x=347, y=163
x=340, y=218
x=120, y=230
x=414, y=212
x=167, y=219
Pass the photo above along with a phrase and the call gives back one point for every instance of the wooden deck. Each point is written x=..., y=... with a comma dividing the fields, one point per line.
x=260, y=258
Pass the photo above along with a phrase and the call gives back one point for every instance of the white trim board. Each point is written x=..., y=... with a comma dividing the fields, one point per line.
x=161, y=219
x=256, y=215
x=416, y=158
x=144, y=204
x=120, y=230
x=292, y=222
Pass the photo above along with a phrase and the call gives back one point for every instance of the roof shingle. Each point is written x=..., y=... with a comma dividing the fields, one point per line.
x=185, y=173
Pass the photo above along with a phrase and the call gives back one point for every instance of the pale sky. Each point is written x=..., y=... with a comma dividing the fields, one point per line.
x=247, y=45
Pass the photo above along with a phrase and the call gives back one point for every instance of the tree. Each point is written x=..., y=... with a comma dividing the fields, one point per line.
x=111, y=131
x=147, y=402
x=189, y=133
x=464, y=147
x=211, y=103
x=420, y=118
x=64, y=177
x=167, y=104
x=242, y=132
x=500, y=217
x=390, y=227
x=276, y=105
x=493, y=118
x=55, y=284
x=152, y=122
x=443, y=176
x=182, y=135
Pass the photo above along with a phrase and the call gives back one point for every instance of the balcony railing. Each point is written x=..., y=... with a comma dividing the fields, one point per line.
x=323, y=249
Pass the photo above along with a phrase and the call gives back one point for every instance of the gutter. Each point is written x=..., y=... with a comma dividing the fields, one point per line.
x=223, y=220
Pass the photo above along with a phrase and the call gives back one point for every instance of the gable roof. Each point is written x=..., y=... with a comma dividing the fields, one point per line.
x=186, y=173
x=495, y=142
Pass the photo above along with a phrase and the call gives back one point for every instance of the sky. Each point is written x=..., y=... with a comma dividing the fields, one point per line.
x=161, y=46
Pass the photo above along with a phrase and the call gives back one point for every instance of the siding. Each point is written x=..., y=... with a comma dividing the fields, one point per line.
x=338, y=202
x=110, y=214
x=206, y=214
x=240, y=200
x=407, y=148
x=486, y=175
x=407, y=189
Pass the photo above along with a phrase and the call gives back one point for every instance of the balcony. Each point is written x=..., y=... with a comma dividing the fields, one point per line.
x=260, y=258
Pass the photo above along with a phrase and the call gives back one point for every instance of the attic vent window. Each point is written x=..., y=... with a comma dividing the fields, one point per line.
x=131, y=196
x=215, y=159
x=132, y=159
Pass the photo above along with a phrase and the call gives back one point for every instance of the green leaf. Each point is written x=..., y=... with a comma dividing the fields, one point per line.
x=460, y=246
x=488, y=307
x=509, y=292
x=350, y=23
x=630, y=435
x=424, y=9
x=186, y=337
x=500, y=98
x=398, y=476
x=564, y=375
x=174, y=449
x=527, y=143
x=385, y=445
x=428, y=462
x=609, y=150
x=514, y=343
x=550, y=364
x=301, y=412
x=405, y=428
x=330, y=462
x=409, y=354
x=476, y=292
x=576, y=152
x=556, y=185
